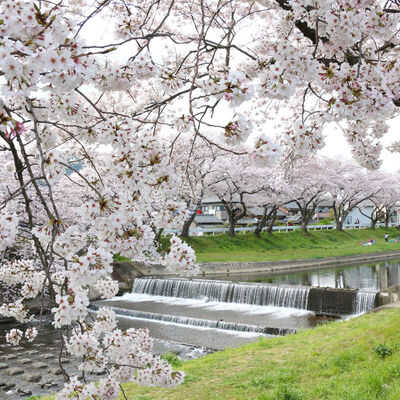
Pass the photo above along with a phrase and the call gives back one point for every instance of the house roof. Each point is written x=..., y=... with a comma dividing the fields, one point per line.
x=208, y=199
x=207, y=219
x=282, y=213
x=291, y=205
x=256, y=211
x=245, y=221
x=366, y=203
x=259, y=211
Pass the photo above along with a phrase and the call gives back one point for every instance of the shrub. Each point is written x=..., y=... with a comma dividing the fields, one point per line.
x=382, y=350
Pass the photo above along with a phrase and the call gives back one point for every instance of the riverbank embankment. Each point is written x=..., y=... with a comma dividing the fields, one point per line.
x=246, y=247
x=229, y=268
x=344, y=360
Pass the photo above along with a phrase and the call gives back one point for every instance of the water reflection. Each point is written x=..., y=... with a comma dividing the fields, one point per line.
x=367, y=276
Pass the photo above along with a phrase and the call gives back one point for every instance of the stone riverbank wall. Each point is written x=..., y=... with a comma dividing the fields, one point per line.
x=389, y=295
x=237, y=268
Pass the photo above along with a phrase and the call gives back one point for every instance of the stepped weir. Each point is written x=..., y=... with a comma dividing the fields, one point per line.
x=320, y=300
x=179, y=305
x=228, y=292
x=203, y=323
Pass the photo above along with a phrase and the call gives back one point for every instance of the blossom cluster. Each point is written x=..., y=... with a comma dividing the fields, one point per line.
x=238, y=131
x=128, y=352
x=181, y=257
x=233, y=87
x=15, y=336
x=265, y=151
x=8, y=229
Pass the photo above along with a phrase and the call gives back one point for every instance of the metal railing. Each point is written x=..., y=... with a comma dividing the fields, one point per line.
x=279, y=228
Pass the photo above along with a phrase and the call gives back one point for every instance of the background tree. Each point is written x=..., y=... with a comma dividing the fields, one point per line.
x=234, y=184
x=373, y=208
x=306, y=186
x=383, y=200
x=194, y=162
x=348, y=186
x=270, y=198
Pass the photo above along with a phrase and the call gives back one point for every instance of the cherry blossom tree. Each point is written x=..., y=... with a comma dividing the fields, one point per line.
x=270, y=198
x=348, y=186
x=234, y=183
x=306, y=186
x=217, y=70
x=390, y=198
x=384, y=199
x=194, y=162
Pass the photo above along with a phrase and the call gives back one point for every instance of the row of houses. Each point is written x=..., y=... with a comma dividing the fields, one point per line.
x=213, y=213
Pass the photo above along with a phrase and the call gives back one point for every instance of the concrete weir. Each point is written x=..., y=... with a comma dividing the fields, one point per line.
x=331, y=301
x=320, y=300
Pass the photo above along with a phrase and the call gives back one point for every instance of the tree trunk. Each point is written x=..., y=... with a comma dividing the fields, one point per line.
x=231, y=229
x=232, y=224
x=339, y=224
x=272, y=222
x=304, y=220
x=387, y=218
x=258, y=230
x=261, y=223
x=186, y=226
x=373, y=224
x=306, y=215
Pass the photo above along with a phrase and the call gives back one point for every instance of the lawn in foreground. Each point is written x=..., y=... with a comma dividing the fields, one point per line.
x=290, y=245
x=332, y=362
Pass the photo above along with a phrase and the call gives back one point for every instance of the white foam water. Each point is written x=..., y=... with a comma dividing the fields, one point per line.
x=177, y=321
x=226, y=292
x=365, y=301
x=276, y=312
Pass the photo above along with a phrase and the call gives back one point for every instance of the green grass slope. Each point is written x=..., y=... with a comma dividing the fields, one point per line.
x=333, y=362
x=289, y=245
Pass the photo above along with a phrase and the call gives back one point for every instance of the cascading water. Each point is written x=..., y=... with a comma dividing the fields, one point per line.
x=229, y=292
x=245, y=309
x=365, y=301
x=205, y=323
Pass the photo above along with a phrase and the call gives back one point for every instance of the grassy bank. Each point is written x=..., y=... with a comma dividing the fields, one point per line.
x=336, y=361
x=290, y=245
x=332, y=362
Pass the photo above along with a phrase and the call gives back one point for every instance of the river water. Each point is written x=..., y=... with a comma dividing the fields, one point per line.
x=372, y=277
x=210, y=315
